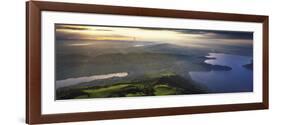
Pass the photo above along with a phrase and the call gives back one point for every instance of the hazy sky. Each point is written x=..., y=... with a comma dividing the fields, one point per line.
x=158, y=35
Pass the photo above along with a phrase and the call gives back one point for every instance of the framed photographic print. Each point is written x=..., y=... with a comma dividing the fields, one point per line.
x=94, y=62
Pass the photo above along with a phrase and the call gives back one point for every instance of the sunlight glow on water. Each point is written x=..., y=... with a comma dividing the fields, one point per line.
x=73, y=81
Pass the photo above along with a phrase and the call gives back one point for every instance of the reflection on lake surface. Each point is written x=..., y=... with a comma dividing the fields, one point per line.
x=74, y=81
x=239, y=79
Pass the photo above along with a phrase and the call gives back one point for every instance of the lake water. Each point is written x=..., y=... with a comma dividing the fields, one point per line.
x=74, y=81
x=239, y=79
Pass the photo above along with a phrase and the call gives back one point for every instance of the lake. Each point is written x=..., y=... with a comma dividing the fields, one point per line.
x=75, y=81
x=239, y=79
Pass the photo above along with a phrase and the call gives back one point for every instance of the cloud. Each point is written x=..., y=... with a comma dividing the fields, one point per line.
x=67, y=36
x=103, y=30
x=70, y=27
x=215, y=34
x=79, y=28
x=208, y=34
x=60, y=35
x=85, y=32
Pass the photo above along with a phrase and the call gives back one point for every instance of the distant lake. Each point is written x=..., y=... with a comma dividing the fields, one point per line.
x=239, y=79
x=74, y=81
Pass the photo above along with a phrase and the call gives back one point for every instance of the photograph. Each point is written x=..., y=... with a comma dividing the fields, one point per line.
x=100, y=61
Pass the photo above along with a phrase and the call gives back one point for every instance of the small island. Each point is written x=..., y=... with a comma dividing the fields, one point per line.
x=249, y=66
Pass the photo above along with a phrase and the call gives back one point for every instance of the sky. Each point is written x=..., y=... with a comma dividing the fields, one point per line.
x=158, y=35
